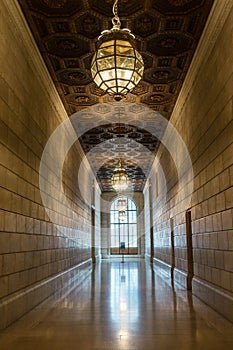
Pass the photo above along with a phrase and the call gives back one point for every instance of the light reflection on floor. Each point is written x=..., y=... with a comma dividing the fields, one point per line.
x=122, y=306
x=124, y=293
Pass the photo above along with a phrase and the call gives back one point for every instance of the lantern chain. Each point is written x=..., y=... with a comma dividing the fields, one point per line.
x=116, y=20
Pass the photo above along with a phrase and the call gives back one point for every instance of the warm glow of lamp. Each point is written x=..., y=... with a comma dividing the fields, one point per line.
x=122, y=215
x=117, y=67
x=121, y=204
x=120, y=180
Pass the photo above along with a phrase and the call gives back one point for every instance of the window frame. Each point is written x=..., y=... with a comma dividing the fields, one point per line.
x=126, y=231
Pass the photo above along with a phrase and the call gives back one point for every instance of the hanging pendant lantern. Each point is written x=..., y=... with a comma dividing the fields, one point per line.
x=117, y=67
x=122, y=215
x=120, y=180
x=121, y=204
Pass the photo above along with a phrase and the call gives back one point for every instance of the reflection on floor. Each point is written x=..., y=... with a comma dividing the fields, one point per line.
x=121, y=306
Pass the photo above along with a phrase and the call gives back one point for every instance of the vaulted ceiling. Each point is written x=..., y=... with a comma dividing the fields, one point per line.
x=167, y=34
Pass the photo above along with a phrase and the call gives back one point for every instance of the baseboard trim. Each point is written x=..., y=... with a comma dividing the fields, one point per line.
x=165, y=268
x=175, y=274
x=18, y=304
x=213, y=296
x=180, y=277
x=218, y=299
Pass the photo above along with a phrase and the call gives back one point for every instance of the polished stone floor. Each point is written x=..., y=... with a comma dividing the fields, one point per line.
x=121, y=306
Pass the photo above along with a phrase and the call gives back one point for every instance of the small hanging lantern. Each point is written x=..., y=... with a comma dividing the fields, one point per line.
x=121, y=204
x=122, y=215
x=120, y=180
x=117, y=67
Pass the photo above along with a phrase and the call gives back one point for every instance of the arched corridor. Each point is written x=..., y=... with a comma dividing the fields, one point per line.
x=124, y=306
x=77, y=272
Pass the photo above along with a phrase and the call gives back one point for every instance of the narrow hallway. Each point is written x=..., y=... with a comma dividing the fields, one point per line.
x=121, y=306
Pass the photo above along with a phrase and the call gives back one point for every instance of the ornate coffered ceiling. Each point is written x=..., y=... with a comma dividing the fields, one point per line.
x=110, y=142
x=167, y=34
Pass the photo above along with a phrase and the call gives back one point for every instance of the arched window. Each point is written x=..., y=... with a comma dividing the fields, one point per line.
x=124, y=236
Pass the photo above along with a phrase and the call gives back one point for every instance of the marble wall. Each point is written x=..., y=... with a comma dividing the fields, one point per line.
x=203, y=118
x=44, y=246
